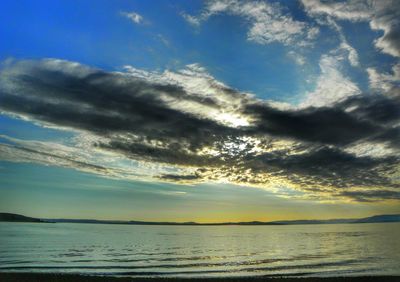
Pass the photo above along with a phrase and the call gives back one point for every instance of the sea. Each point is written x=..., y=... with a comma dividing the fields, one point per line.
x=201, y=251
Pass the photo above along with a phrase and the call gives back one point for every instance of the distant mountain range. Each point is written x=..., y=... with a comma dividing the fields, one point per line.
x=10, y=217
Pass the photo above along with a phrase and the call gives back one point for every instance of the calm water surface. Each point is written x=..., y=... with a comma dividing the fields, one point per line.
x=134, y=250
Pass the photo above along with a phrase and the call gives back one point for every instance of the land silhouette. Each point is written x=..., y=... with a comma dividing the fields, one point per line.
x=11, y=217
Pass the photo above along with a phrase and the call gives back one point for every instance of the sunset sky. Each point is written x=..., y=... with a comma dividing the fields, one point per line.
x=203, y=111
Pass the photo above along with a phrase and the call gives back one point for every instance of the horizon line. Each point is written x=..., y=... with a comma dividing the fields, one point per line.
x=254, y=222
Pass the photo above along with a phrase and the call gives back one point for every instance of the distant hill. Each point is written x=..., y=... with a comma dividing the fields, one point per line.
x=315, y=221
x=11, y=217
x=373, y=219
x=380, y=218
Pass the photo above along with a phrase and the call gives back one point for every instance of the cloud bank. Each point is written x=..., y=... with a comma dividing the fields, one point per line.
x=187, y=127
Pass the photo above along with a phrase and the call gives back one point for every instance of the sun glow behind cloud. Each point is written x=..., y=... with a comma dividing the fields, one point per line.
x=184, y=125
x=180, y=122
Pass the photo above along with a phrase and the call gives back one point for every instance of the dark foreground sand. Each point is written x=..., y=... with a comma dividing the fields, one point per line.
x=35, y=277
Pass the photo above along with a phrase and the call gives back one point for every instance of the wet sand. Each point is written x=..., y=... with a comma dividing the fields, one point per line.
x=37, y=277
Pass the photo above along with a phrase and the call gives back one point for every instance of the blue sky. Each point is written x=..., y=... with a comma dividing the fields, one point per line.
x=217, y=81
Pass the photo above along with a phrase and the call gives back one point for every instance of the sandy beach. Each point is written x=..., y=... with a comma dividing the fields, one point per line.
x=37, y=277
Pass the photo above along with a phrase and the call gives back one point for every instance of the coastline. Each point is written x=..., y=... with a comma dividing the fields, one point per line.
x=62, y=277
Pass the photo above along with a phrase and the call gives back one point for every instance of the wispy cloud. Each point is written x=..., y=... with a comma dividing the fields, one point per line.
x=269, y=22
x=388, y=83
x=191, y=19
x=193, y=128
x=76, y=155
x=382, y=15
x=296, y=57
x=133, y=16
x=344, y=45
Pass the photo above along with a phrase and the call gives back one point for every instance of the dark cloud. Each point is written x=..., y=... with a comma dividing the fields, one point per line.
x=329, y=167
x=174, y=153
x=107, y=104
x=323, y=125
x=370, y=196
x=138, y=118
x=180, y=178
x=354, y=119
x=376, y=109
x=391, y=135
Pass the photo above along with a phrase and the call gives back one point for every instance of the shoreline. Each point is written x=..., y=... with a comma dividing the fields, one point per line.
x=64, y=277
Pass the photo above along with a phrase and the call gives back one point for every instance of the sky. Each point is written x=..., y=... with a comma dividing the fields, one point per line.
x=205, y=111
